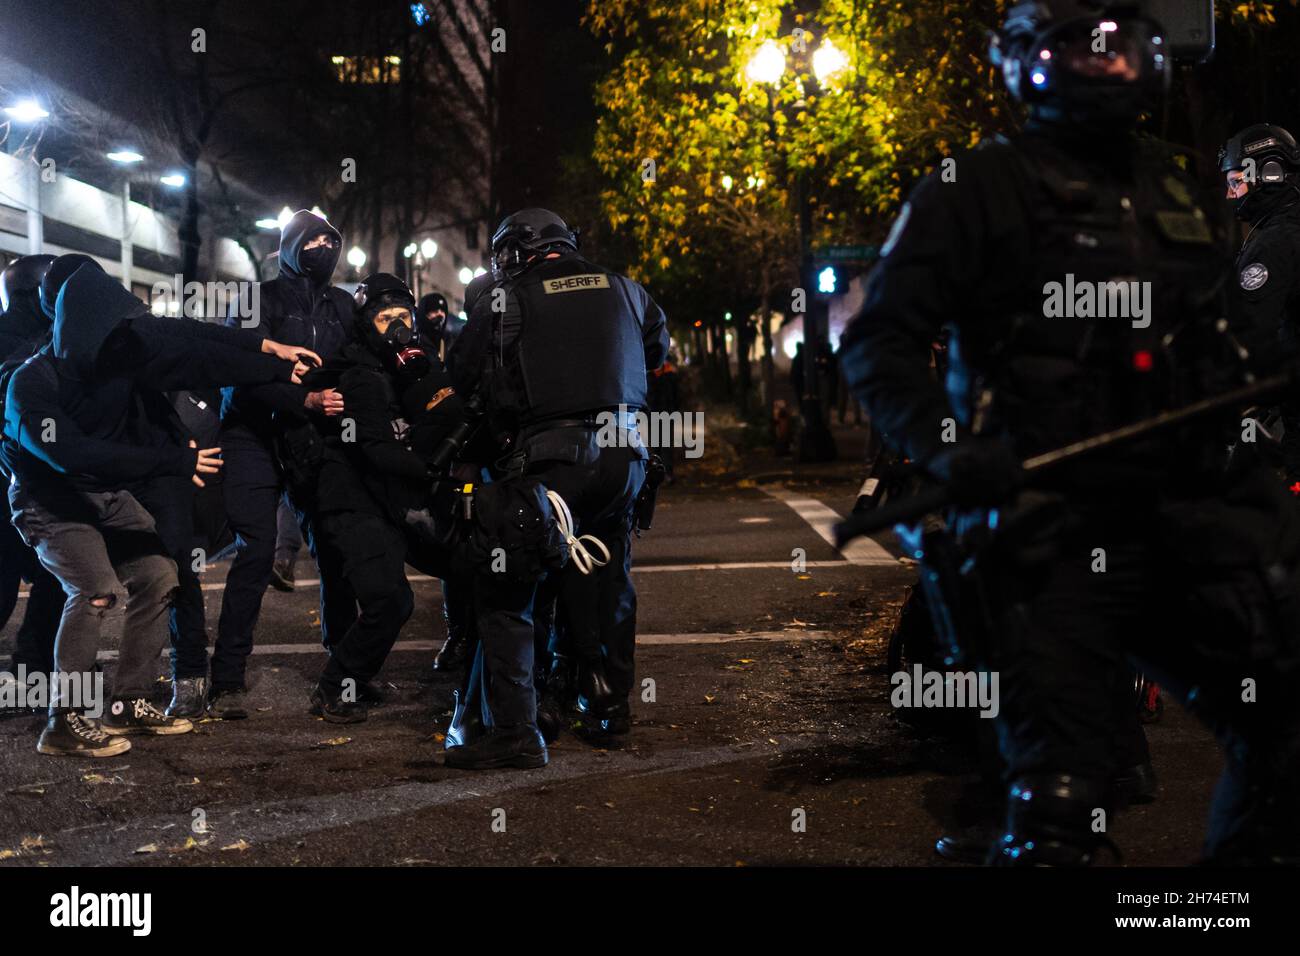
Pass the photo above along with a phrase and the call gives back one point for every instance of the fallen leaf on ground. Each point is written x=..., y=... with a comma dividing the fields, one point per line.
x=240, y=845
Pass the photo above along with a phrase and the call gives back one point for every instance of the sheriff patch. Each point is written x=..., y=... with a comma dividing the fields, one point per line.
x=1254, y=276
x=576, y=283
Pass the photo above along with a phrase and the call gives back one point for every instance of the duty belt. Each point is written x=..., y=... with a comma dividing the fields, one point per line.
x=595, y=419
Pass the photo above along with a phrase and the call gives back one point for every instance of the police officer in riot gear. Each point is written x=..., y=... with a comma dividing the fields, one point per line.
x=1262, y=168
x=558, y=345
x=1152, y=554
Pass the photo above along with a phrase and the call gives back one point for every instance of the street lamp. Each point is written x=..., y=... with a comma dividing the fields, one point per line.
x=126, y=157
x=267, y=224
x=356, y=257
x=26, y=111
x=767, y=64
x=827, y=61
x=174, y=180
x=428, y=249
x=466, y=275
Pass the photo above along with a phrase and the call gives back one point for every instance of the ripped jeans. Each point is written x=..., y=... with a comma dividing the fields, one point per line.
x=98, y=544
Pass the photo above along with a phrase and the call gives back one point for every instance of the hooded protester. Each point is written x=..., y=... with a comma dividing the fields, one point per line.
x=300, y=307
x=23, y=329
x=366, y=485
x=86, y=423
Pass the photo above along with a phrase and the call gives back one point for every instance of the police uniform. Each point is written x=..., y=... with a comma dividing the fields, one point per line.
x=563, y=349
x=1267, y=289
x=1197, y=574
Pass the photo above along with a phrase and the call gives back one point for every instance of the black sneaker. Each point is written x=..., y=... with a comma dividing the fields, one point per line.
x=228, y=703
x=521, y=746
x=189, y=698
x=282, y=576
x=330, y=705
x=68, y=734
x=138, y=716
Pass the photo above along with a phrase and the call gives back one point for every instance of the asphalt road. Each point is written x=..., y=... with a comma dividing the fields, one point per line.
x=770, y=706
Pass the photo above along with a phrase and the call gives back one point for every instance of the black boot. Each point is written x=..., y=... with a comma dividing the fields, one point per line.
x=452, y=653
x=189, y=697
x=1050, y=819
x=595, y=695
x=1134, y=785
x=328, y=703
x=518, y=746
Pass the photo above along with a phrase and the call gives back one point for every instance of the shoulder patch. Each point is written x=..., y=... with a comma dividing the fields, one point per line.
x=1254, y=276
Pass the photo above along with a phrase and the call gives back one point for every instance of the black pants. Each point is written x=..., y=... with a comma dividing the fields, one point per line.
x=598, y=609
x=171, y=502
x=34, y=642
x=252, y=486
x=370, y=555
x=1204, y=594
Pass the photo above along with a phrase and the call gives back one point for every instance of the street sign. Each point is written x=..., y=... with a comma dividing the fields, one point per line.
x=846, y=253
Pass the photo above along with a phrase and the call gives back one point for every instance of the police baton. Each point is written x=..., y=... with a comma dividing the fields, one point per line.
x=937, y=497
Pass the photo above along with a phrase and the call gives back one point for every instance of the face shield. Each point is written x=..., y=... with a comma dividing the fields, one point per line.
x=1109, y=70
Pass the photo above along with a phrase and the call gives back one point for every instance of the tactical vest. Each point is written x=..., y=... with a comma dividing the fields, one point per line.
x=579, y=347
x=1105, y=318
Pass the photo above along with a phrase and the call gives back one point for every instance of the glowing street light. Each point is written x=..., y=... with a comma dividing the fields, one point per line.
x=286, y=214
x=356, y=257
x=827, y=61
x=466, y=275
x=125, y=156
x=428, y=248
x=174, y=180
x=767, y=64
x=26, y=111
x=267, y=224
x=409, y=250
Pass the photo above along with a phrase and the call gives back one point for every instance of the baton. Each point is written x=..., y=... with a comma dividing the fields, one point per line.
x=937, y=497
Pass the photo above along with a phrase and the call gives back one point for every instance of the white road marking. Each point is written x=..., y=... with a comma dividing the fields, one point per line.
x=822, y=519
x=645, y=640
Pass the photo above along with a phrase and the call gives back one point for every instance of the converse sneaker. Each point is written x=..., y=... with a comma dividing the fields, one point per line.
x=69, y=734
x=138, y=716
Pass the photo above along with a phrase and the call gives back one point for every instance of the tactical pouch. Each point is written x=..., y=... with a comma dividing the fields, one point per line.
x=513, y=532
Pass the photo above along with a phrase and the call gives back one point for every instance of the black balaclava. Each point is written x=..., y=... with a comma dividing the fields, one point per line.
x=315, y=265
x=429, y=304
x=60, y=272
x=398, y=348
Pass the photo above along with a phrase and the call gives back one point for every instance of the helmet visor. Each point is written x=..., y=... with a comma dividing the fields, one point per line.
x=1099, y=53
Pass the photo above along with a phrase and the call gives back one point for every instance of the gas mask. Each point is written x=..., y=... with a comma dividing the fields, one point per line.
x=396, y=344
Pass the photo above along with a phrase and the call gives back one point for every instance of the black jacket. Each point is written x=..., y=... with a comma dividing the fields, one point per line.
x=87, y=412
x=293, y=310
x=376, y=452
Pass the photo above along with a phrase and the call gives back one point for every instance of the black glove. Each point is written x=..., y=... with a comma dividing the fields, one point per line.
x=979, y=472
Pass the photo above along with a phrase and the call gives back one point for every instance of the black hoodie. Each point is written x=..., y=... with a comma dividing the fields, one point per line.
x=86, y=412
x=296, y=310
